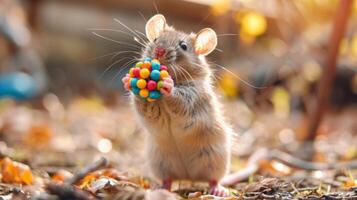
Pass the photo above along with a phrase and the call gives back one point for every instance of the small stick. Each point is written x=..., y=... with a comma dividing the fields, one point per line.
x=101, y=163
x=65, y=191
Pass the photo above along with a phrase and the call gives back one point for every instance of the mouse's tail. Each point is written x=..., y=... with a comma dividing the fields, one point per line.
x=291, y=161
x=252, y=167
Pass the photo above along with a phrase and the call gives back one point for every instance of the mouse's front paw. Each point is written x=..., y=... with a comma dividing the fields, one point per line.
x=125, y=81
x=167, y=86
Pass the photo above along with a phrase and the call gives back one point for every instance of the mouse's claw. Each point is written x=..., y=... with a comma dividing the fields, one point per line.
x=167, y=86
x=125, y=81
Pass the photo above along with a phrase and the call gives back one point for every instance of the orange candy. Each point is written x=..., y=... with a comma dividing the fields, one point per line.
x=144, y=93
x=141, y=84
x=146, y=65
x=150, y=100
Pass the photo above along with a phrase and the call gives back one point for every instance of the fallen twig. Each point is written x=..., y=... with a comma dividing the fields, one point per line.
x=101, y=163
x=65, y=191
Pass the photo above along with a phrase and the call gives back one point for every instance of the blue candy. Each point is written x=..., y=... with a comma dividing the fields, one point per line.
x=155, y=94
x=135, y=90
x=155, y=75
x=155, y=66
x=133, y=82
x=148, y=59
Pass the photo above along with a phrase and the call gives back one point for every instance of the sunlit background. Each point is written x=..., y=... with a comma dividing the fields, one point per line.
x=60, y=82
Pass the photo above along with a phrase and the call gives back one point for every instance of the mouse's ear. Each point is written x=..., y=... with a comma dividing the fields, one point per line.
x=205, y=42
x=155, y=26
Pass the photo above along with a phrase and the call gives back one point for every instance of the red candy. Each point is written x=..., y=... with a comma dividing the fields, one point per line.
x=163, y=67
x=152, y=85
x=136, y=72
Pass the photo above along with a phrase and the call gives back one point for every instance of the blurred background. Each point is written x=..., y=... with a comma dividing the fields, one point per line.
x=60, y=76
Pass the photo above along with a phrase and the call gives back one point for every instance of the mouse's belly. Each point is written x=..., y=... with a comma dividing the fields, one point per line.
x=179, y=153
x=166, y=161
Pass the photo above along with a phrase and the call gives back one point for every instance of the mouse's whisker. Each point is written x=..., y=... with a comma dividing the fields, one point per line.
x=141, y=33
x=123, y=52
x=219, y=50
x=213, y=75
x=119, y=42
x=111, y=65
x=174, y=69
x=142, y=16
x=179, y=72
x=185, y=73
x=141, y=41
x=129, y=29
x=236, y=76
x=109, y=29
x=198, y=65
x=227, y=34
x=155, y=6
x=102, y=56
x=126, y=65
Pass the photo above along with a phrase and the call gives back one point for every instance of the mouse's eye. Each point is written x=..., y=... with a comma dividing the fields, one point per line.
x=183, y=45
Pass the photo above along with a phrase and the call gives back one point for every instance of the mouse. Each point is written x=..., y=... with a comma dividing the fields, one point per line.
x=188, y=137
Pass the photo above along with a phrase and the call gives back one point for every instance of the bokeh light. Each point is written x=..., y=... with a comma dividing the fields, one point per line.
x=253, y=23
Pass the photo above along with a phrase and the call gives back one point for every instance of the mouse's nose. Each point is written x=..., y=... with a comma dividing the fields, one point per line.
x=159, y=52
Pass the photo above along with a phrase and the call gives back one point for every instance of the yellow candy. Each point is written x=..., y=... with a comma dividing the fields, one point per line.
x=141, y=84
x=144, y=73
x=131, y=72
x=150, y=100
x=156, y=60
x=164, y=74
x=144, y=93
x=138, y=64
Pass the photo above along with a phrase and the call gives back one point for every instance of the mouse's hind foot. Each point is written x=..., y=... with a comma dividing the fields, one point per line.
x=217, y=189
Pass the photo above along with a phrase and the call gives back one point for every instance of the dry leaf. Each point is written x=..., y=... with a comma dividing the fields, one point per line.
x=15, y=172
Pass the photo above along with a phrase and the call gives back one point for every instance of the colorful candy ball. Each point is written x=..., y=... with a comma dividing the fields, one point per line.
x=155, y=94
x=155, y=66
x=144, y=73
x=152, y=85
x=136, y=72
x=155, y=75
x=146, y=79
x=144, y=93
x=141, y=83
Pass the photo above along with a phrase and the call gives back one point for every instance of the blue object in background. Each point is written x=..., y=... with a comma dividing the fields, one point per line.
x=17, y=85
